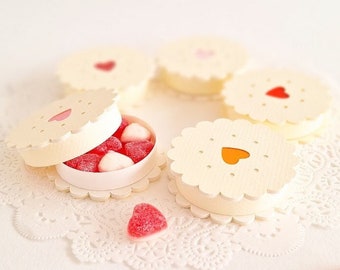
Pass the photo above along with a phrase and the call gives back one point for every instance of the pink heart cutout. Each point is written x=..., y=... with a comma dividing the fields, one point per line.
x=61, y=116
x=204, y=54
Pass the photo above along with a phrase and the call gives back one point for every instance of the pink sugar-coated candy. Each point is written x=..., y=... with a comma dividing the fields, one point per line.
x=135, y=132
x=121, y=128
x=146, y=220
x=87, y=162
x=138, y=150
x=112, y=143
x=113, y=161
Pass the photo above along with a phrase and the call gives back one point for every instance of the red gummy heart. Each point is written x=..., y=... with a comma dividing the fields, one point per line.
x=112, y=143
x=278, y=92
x=137, y=150
x=146, y=220
x=87, y=162
x=121, y=128
x=72, y=163
x=105, y=66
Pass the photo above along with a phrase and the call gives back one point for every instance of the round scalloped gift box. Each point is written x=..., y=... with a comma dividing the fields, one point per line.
x=290, y=102
x=230, y=169
x=200, y=65
x=72, y=126
x=112, y=68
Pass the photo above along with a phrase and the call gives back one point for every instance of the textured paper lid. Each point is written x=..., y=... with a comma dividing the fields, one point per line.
x=202, y=57
x=278, y=96
x=66, y=128
x=234, y=159
x=106, y=68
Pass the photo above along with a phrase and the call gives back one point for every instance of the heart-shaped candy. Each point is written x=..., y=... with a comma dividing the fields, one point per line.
x=232, y=155
x=146, y=220
x=61, y=116
x=135, y=132
x=278, y=92
x=105, y=66
x=113, y=161
x=87, y=162
x=138, y=150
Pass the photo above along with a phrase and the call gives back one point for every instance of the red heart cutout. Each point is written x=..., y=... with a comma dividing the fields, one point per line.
x=145, y=221
x=278, y=92
x=61, y=116
x=105, y=66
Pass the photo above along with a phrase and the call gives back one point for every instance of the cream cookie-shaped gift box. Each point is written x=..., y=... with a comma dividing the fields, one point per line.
x=200, y=65
x=231, y=170
x=72, y=126
x=113, y=68
x=292, y=103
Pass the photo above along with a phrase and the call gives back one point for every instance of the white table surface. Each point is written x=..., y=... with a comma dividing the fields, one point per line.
x=35, y=35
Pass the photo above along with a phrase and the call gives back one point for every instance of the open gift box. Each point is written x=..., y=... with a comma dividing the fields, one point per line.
x=68, y=128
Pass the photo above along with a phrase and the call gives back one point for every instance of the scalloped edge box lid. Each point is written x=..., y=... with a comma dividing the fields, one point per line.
x=66, y=128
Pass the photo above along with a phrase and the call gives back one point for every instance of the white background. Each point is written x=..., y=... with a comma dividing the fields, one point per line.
x=35, y=35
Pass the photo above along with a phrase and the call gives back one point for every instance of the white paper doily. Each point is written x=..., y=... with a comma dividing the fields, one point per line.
x=97, y=230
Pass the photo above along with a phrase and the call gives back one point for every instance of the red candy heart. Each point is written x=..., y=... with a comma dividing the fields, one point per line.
x=105, y=66
x=87, y=162
x=278, y=92
x=135, y=150
x=138, y=150
x=145, y=221
x=112, y=143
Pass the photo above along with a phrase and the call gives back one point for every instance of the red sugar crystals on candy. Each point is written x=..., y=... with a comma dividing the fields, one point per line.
x=112, y=143
x=72, y=162
x=145, y=221
x=137, y=150
x=87, y=162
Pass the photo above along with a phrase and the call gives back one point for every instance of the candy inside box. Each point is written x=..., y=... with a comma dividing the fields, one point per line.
x=77, y=124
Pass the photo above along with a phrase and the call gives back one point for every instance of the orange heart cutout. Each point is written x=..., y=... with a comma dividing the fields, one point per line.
x=105, y=66
x=278, y=92
x=233, y=155
x=60, y=116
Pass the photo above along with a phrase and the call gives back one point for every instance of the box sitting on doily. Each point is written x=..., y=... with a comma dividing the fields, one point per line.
x=231, y=170
x=74, y=125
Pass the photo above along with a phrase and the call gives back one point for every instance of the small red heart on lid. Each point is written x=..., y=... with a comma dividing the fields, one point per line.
x=145, y=221
x=105, y=66
x=278, y=92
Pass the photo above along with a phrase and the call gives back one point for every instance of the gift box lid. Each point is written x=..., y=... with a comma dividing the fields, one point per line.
x=66, y=128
